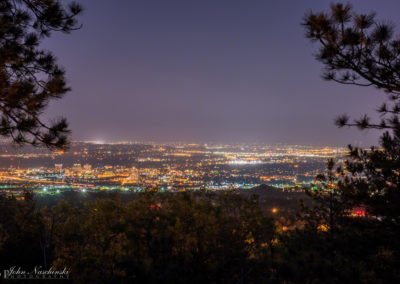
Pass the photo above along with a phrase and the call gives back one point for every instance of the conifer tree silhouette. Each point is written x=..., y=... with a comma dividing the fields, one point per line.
x=357, y=49
x=29, y=76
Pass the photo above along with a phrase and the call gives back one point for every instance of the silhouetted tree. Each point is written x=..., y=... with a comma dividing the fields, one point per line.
x=358, y=50
x=29, y=76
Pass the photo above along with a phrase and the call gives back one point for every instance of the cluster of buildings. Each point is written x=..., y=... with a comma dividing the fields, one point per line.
x=135, y=166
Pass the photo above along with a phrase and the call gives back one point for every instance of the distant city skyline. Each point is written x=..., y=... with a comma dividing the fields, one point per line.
x=198, y=71
x=202, y=143
x=133, y=167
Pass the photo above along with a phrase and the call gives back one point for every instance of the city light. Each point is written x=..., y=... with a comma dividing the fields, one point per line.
x=132, y=167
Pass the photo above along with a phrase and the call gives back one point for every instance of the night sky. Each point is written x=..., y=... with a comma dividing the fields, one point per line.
x=206, y=71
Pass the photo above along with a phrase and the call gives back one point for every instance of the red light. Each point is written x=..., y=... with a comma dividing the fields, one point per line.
x=359, y=212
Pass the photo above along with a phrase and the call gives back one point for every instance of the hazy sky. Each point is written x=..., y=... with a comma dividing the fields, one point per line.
x=205, y=70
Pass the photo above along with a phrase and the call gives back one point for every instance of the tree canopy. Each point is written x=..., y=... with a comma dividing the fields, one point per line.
x=357, y=49
x=359, y=200
x=29, y=76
